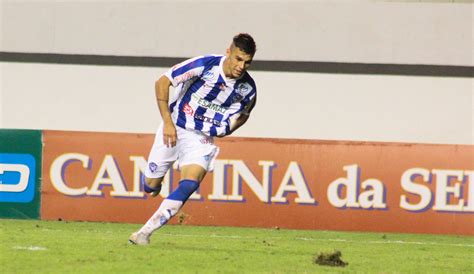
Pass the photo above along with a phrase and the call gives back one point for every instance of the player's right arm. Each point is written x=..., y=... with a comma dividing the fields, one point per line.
x=162, y=90
x=180, y=73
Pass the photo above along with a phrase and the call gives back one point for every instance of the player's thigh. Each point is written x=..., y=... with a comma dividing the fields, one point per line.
x=197, y=153
x=160, y=160
x=196, y=158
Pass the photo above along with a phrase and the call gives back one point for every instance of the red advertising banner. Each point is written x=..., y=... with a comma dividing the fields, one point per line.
x=298, y=184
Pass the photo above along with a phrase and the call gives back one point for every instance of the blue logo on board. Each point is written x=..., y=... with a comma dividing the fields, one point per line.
x=17, y=177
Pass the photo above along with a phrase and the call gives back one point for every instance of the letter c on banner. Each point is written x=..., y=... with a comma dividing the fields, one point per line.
x=58, y=168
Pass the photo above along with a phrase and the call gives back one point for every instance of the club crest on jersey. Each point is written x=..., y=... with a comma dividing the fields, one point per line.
x=188, y=110
x=153, y=167
x=222, y=86
x=242, y=88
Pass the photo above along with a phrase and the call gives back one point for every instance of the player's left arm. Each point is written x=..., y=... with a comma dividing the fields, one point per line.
x=239, y=120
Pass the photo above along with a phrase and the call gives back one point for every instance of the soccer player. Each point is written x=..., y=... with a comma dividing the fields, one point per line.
x=214, y=95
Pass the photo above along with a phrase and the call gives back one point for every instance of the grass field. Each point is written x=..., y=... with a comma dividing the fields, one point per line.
x=81, y=247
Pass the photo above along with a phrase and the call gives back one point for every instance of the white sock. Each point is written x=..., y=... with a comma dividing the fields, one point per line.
x=167, y=209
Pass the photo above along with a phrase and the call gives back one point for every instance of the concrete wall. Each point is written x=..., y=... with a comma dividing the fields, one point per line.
x=291, y=105
x=338, y=31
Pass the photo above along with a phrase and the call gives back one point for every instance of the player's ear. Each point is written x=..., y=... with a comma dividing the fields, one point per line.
x=227, y=52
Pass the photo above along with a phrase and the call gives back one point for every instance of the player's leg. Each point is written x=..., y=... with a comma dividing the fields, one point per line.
x=142, y=237
x=193, y=172
x=191, y=177
x=160, y=160
x=196, y=158
x=153, y=185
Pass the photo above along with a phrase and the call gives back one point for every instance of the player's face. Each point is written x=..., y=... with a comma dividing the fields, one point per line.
x=238, y=62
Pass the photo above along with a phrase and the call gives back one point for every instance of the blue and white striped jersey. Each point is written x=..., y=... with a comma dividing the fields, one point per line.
x=205, y=99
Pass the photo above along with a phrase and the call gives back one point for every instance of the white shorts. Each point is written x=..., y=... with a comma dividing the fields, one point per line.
x=192, y=147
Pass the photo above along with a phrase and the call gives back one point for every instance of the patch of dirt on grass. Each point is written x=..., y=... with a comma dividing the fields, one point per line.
x=182, y=218
x=330, y=259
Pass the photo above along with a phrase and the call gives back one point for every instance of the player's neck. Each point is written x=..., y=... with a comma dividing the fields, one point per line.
x=226, y=69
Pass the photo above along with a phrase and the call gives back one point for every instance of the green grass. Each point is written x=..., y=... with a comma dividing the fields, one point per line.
x=82, y=247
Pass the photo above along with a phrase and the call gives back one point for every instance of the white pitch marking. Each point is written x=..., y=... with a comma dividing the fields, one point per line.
x=209, y=236
x=31, y=248
x=313, y=239
x=386, y=242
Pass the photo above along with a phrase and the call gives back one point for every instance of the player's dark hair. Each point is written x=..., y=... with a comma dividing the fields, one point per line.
x=245, y=43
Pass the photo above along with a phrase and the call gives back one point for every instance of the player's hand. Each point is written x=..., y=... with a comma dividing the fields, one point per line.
x=169, y=135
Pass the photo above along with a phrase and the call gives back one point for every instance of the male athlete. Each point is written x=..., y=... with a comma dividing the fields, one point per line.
x=214, y=96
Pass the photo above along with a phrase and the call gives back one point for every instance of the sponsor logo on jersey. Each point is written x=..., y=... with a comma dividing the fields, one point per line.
x=188, y=110
x=207, y=119
x=184, y=77
x=206, y=140
x=206, y=104
x=17, y=177
x=208, y=76
x=237, y=98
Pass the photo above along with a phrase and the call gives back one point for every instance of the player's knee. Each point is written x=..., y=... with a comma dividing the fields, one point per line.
x=193, y=172
x=153, y=182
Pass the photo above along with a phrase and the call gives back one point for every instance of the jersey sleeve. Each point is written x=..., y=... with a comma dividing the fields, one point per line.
x=248, y=107
x=186, y=70
x=235, y=110
x=245, y=106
